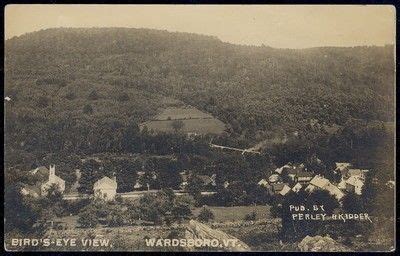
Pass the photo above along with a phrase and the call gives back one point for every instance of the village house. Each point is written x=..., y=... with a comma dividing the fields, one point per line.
x=319, y=182
x=45, y=178
x=353, y=180
x=263, y=183
x=207, y=182
x=142, y=180
x=105, y=188
x=279, y=188
x=296, y=188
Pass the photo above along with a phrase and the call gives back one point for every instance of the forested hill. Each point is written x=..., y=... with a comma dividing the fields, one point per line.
x=92, y=74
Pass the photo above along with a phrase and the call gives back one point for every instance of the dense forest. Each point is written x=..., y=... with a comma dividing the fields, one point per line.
x=84, y=91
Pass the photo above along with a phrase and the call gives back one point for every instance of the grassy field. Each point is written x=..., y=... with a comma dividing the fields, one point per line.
x=194, y=121
x=200, y=126
x=237, y=213
x=174, y=113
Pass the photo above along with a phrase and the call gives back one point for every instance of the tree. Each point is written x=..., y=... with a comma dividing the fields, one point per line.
x=182, y=208
x=87, y=109
x=322, y=197
x=116, y=216
x=250, y=216
x=88, y=217
x=352, y=203
x=93, y=95
x=123, y=97
x=194, y=187
x=18, y=211
x=177, y=125
x=205, y=215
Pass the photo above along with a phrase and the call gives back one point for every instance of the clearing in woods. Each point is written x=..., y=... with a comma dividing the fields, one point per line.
x=193, y=121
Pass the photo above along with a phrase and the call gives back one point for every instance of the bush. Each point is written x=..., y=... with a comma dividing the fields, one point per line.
x=205, y=215
x=250, y=216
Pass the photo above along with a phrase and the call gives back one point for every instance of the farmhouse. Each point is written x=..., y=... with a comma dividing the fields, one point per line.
x=105, y=188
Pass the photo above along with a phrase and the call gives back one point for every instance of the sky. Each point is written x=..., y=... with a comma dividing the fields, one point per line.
x=279, y=26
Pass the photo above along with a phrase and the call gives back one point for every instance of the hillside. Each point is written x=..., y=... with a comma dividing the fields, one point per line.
x=93, y=79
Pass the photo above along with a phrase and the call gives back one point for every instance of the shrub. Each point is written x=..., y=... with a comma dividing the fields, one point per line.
x=250, y=216
x=205, y=215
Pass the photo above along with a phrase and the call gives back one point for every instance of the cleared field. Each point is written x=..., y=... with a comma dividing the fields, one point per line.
x=199, y=126
x=236, y=213
x=174, y=113
x=194, y=121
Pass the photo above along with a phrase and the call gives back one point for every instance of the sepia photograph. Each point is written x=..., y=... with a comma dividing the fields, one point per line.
x=199, y=128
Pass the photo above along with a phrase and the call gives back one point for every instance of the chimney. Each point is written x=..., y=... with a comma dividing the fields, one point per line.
x=114, y=177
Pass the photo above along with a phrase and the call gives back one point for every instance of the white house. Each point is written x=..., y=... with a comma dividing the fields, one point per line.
x=355, y=184
x=105, y=188
x=296, y=188
x=263, y=182
x=52, y=180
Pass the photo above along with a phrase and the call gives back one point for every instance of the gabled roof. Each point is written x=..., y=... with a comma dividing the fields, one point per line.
x=356, y=172
x=262, y=182
x=273, y=178
x=105, y=183
x=297, y=187
x=355, y=181
x=41, y=170
x=319, y=181
x=207, y=180
x=286, y=189
x=305, y=174
x=277, y=187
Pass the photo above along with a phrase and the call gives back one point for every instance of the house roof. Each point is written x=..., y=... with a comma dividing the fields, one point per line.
x=105, y=183
x=41, y=170
x=342, y=165
x=277, y=187
x=356, y=172
x=273, y=178
x=335, y=191
x=297, y=187
x=285, y=190
x=262, y=182
x=305, y=174
x=319, y=181
x=34, y=190
x=355, y=181
x=207, y=179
